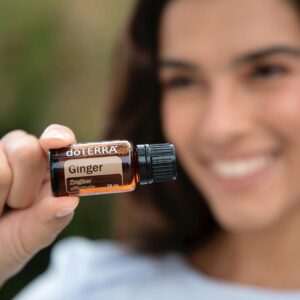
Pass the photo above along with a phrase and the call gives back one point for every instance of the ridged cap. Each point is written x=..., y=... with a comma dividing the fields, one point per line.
x=157, y=162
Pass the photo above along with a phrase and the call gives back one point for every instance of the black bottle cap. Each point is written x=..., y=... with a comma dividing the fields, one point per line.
x=157, y=162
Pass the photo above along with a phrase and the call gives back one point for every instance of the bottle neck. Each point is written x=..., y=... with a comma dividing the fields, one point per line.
x=143, y=153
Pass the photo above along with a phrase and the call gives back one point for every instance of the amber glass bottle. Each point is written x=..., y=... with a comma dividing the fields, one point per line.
x=109, y=167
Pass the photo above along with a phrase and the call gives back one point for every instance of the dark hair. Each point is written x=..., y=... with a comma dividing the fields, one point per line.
x=160, y=217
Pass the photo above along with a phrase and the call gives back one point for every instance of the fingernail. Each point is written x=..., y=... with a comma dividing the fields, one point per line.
x=63, y=213
x=53, y=133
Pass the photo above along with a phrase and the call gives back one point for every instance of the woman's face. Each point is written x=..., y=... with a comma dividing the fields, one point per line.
x=230, y=75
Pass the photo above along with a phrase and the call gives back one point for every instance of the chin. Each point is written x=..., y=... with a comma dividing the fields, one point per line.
x=245, y=219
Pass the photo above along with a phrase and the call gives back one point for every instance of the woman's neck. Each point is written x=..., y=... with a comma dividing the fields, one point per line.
x=268, y=258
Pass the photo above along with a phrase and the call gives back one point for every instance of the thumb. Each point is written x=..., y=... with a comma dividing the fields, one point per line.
x=24, y=233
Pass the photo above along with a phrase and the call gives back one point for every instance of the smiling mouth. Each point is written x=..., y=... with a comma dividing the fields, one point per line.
x=239, y=173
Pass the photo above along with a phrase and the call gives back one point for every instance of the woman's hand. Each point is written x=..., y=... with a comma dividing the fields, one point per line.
x=30, y=217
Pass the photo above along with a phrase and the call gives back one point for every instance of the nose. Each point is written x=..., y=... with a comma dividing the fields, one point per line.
x=226, y=118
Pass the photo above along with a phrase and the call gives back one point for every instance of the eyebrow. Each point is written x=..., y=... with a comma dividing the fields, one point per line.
x=249, y=57
x=243, y=59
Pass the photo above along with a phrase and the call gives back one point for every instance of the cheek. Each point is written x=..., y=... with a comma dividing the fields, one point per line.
x=283, y=113
x=178, y=120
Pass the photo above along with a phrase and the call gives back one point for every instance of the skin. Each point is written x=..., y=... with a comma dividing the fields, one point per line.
x=230, y=73
x=30, y=217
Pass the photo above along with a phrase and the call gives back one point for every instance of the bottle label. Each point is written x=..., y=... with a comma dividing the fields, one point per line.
x=89, y=173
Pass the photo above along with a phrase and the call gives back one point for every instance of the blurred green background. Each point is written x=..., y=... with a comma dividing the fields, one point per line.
x=55, y=59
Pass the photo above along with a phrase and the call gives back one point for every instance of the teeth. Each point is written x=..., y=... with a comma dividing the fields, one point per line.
x=240, y=168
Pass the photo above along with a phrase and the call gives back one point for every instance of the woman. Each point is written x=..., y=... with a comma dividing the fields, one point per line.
x=219, y=79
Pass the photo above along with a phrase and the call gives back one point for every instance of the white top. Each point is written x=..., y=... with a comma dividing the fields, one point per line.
x=83, y=269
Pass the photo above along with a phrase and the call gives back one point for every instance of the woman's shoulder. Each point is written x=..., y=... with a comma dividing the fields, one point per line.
x=81, y=267
x=87, y=255
x=107, y=258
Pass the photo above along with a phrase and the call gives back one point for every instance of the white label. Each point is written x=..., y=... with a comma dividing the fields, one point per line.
x=81, y=168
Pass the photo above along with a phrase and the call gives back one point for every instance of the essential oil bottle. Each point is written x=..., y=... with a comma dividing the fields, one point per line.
x=109, y=167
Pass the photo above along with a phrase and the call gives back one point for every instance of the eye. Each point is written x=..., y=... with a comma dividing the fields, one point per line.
x=268, y=71
x=178, y=82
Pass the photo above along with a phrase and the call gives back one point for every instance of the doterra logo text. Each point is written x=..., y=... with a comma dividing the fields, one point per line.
x=92, y=151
